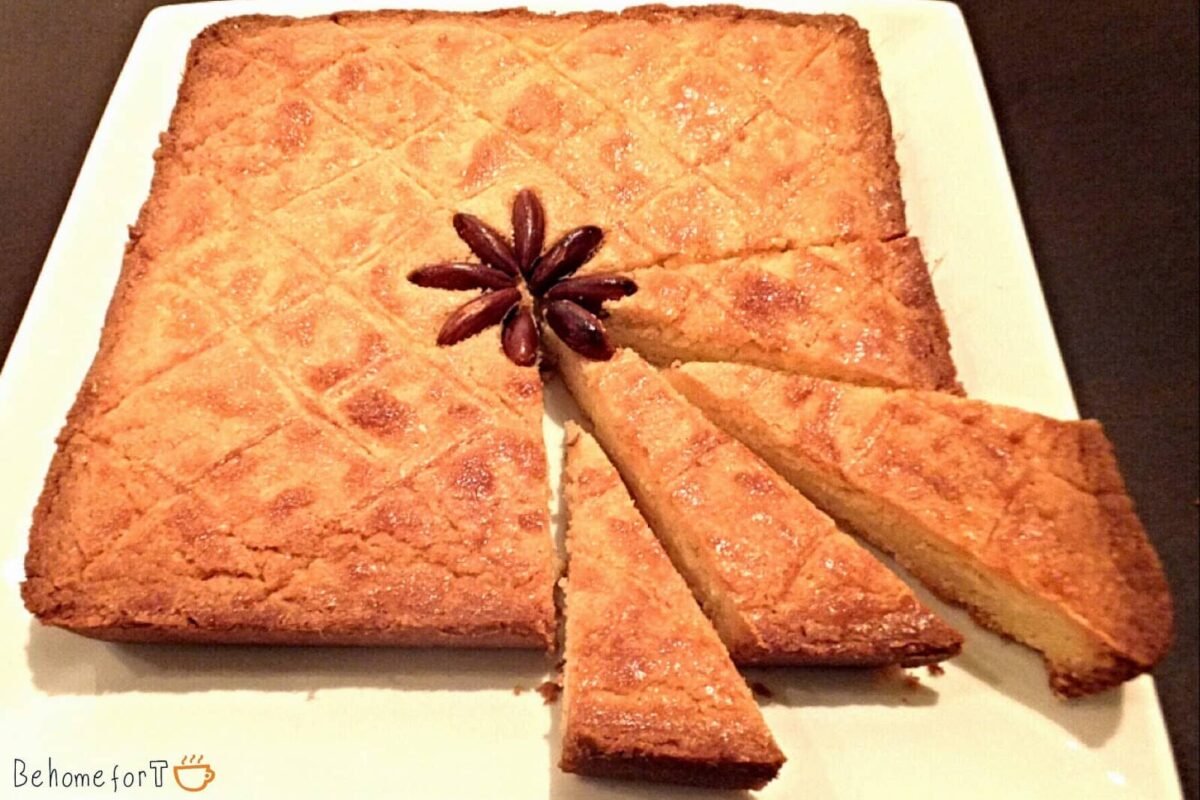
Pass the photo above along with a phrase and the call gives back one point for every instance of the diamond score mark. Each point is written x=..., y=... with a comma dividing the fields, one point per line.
x=524, y=286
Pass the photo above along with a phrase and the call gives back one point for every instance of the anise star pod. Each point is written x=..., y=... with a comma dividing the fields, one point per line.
x=567, y=255
x=529, y=229
x=481, y=313
x=486, y=242
x=580, y=329
x=521, y=285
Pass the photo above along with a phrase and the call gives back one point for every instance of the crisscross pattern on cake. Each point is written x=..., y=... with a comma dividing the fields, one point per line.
x=263, y=316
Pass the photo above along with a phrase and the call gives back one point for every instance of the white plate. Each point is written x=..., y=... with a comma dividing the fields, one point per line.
x=363, y=723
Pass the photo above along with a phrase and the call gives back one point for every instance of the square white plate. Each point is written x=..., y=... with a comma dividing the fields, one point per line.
x=364, y=723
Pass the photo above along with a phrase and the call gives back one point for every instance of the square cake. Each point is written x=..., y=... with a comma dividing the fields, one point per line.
x=285, y=439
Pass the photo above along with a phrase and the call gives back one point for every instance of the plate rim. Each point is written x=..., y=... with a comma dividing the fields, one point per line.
x=37, y=318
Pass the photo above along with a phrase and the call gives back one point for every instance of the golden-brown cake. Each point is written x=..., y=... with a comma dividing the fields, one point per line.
x=1022, y=518
x=648, y=688
x=780, y=582
x=861, y=311
x=270, y=444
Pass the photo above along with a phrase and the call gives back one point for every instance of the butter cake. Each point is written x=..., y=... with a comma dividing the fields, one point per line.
x=1023, y=519
x=648, y=688
x=781, y=583
x=272, y=445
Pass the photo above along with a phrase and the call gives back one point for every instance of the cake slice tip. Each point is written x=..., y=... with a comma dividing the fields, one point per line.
x=649, y=690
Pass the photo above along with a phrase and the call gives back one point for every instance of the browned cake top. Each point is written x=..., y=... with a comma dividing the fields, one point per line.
x=798, y=589
x=646, y=116
x=311, y=165
x=1028, y=499
x=861, y=311
x=691, y=137
x=647, y=681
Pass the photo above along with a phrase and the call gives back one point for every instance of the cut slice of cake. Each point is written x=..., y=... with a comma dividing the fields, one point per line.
x=648, y=689
x=1022, y=518
x=863, y=312
x=780, y=582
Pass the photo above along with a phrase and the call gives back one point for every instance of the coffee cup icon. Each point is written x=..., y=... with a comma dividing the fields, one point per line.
x=193, y=775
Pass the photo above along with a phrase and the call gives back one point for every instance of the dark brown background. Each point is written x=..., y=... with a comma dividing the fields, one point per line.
x=1097, y=104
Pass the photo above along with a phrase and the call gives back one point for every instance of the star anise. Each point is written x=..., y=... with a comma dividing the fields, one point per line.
x=523, y=286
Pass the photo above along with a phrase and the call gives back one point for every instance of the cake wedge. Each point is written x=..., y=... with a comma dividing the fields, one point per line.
x=648, y=690
x=781, y=583
x=863, y=312
x=1023, y=519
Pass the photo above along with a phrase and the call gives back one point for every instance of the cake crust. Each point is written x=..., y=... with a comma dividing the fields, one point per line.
x=649, y=691
x=1022, y=518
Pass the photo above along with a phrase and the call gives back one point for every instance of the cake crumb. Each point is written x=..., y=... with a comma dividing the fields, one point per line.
x=760, y=689
x=936, y=670
x=911, y=682
x=549, y=690
x=888, y=675
x=519, y=690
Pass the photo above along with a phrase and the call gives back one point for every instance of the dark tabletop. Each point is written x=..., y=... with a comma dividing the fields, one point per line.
x=1097, y=104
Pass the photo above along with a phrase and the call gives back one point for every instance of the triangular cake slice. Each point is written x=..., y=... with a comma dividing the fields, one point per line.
x=860, y=311
x=1022, y=518
x=648, y=691
x=780, y=582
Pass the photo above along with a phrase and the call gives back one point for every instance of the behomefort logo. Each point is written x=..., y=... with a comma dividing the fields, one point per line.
x=191, y=775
